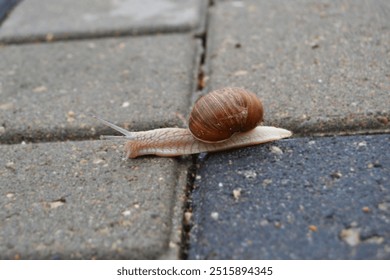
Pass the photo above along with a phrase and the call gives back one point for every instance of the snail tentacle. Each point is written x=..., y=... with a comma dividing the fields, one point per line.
x=126, y=134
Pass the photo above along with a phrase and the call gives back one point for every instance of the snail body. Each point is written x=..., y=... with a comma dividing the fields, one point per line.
x=223, y=119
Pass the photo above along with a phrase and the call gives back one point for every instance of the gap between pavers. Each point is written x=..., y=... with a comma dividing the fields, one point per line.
x=79, y=200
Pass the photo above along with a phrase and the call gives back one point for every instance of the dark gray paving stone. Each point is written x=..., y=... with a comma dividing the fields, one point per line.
x=319, y=198
x=79, y=200
x=48, y=90
x=48, y=19
x=319, y=67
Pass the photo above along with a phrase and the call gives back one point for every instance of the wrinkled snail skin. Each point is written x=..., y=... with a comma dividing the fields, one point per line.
x=168, y=142
x=230, y=120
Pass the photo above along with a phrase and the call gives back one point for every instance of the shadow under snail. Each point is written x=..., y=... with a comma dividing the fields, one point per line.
x=220, y=120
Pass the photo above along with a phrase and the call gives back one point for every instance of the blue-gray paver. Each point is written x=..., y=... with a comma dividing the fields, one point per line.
x=307, y=198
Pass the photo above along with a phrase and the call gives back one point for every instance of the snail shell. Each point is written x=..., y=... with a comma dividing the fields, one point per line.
x=220, y=114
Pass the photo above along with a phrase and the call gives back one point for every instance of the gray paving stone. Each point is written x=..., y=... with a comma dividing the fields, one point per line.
x=48, y=90
x=307, y=198
x=319, y=67
x=6, y=6
x=74, y=19
x=79, y=200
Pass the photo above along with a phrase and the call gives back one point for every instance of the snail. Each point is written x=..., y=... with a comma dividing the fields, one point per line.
x=222, y=119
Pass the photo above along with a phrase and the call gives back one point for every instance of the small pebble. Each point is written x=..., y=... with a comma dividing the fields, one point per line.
x=10, y=165
x=56, y=204
x=375, y=240
x=9, y=195
x=362, y=144
x=126, y=213
x=214, y=215
x=240, y=73
x=365, y=209
x=187, y=217
x=237, y=193
x=336, y=175
x=249, y=174
x=264, y=222
x=384, y=206
x=39, y=89
x=313, y=228
x=83, y=161
x=98, y=161
x=49, y=37
x=266, y=182
x=276, y=150
x=350, y=236
x=278, y=224
x=70, y=116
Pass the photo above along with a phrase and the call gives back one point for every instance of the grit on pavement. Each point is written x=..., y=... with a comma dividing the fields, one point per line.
x=321, y=68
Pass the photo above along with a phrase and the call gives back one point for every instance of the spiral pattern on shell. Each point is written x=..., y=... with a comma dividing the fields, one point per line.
x=219, y=114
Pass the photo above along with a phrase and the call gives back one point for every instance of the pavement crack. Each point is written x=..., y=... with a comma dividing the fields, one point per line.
x=187, y=213
x=202, y=36
x=191, y=174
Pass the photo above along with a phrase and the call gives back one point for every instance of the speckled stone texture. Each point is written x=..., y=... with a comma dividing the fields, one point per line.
x=319, y=66
x=48, y=91
x=79, y=200
x=64, y=19
x=308, y=198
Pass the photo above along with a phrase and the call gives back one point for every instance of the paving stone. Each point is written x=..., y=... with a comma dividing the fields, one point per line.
x=74, y=19
x=307, y=198
x=6, y=6
x=79, y=200
x=47, y=90
x=319, y=67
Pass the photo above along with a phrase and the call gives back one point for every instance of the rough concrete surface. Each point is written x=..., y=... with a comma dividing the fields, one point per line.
x=47, y=91
x=318, y=66
x=79, y=200
x=63, y=19
x=308, y=198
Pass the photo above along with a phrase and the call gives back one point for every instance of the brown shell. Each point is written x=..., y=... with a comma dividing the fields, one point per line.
x=223, y=112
